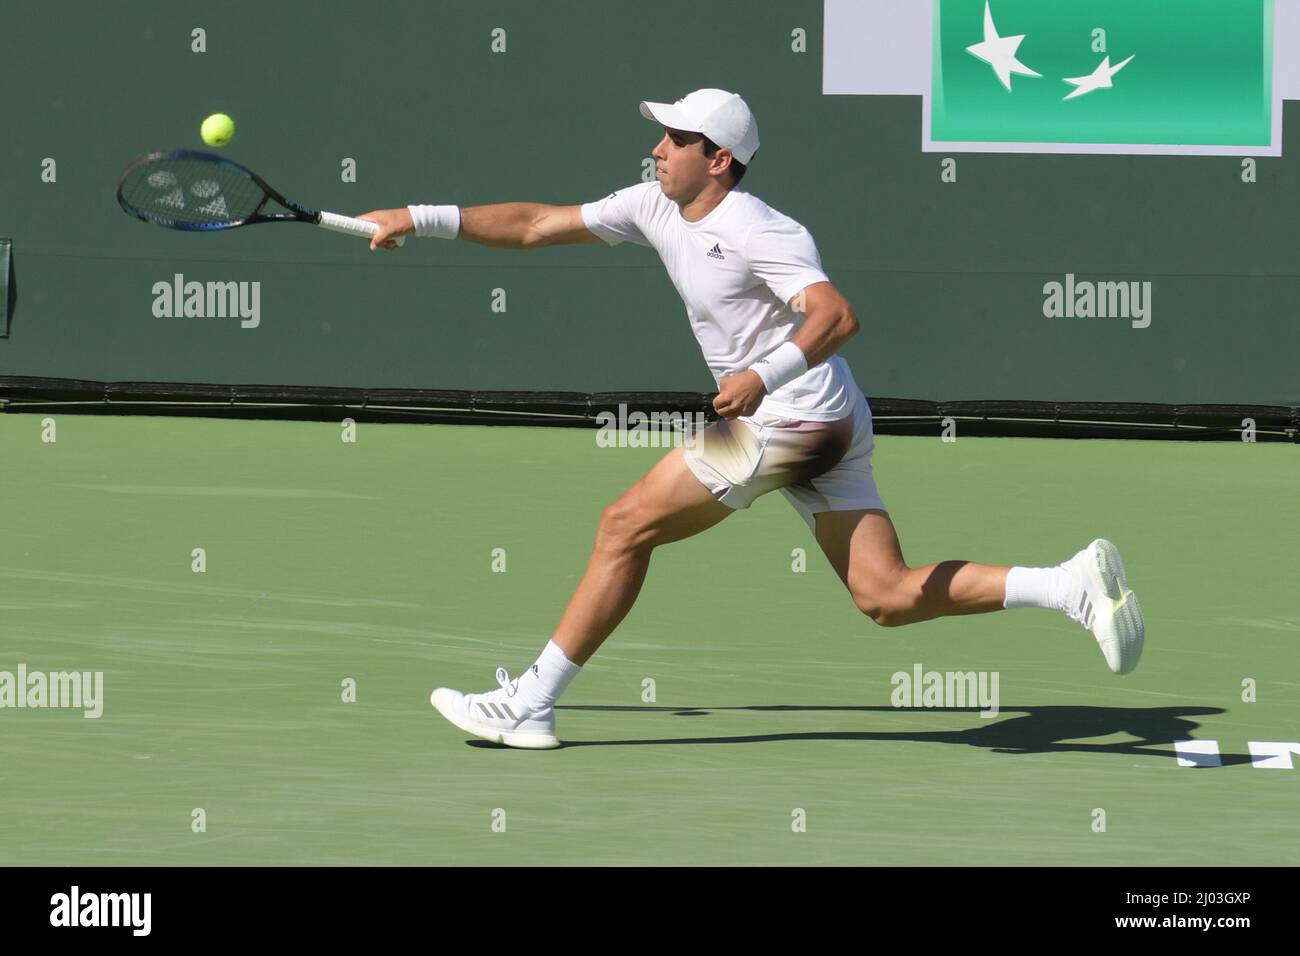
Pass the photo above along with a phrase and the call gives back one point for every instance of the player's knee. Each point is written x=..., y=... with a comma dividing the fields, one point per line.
x=886, y=605
x=620, y=528
x=892, y=618
x=870, y=605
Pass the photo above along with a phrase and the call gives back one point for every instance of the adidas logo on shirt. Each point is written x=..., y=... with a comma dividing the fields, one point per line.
x=716, y=253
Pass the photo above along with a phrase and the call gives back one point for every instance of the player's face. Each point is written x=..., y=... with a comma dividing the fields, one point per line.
x=680, y=165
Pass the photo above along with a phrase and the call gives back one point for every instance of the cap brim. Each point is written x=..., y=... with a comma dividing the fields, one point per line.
x=668, y=115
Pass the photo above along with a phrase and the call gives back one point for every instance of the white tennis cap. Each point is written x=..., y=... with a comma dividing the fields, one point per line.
x=721, y=116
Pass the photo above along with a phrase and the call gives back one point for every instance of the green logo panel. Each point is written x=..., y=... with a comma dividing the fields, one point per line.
x=1116, y=72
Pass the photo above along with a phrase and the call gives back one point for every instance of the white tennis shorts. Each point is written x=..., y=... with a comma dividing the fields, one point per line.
x=818, y=466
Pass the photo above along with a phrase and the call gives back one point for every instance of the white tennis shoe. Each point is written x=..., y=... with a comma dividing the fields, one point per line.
x=498, y=715
x=1105, y=605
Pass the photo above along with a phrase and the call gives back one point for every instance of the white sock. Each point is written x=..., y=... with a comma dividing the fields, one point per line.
x=1040, y=587
x=542, y=684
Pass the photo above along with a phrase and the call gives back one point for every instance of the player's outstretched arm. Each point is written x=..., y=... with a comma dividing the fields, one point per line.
x=510, y=225
x=524, y=225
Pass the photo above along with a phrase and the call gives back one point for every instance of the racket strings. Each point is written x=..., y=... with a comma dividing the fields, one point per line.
x=191, y=191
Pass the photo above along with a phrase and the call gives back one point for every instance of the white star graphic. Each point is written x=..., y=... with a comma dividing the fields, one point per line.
x=1098, y=79
x=1000, y=52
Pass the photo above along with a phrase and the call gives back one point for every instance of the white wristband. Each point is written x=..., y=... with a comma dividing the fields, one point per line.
x=783, y=364
x=438, y=222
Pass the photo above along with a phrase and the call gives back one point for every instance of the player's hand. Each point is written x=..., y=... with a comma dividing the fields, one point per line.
x=739, y=394
x=392, y=223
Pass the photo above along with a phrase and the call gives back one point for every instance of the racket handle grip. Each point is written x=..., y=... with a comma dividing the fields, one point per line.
x=362, y=228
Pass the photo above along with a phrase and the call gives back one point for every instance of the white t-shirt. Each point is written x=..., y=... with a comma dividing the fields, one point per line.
x=736, y=270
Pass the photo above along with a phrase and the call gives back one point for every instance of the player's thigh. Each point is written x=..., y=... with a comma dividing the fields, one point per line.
x=668, y=504
x=863, y=548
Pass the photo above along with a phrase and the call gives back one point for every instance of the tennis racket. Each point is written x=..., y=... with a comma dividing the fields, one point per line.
x=197, y=192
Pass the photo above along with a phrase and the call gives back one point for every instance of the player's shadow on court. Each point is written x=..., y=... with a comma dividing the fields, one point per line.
x=1015, y=730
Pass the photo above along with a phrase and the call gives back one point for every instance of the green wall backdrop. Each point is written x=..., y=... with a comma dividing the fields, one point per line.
x=946, y=278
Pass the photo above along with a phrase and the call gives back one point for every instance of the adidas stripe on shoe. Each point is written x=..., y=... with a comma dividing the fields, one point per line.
x=1107, y=606
x=498, y=715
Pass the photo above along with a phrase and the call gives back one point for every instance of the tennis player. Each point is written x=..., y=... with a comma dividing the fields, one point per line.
x=769, y=323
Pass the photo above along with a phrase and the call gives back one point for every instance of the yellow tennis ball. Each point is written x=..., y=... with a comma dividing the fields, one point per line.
x=217, y=130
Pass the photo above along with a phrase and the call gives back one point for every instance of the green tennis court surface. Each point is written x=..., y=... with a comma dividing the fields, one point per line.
x=373, y=561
